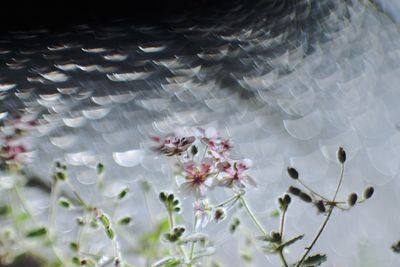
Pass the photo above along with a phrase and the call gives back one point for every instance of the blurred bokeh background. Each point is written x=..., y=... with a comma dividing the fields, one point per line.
x=288, y=81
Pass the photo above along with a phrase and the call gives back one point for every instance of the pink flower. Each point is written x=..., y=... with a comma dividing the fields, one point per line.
x=172, y=145
x=13, y=152
x=197, y=178
x=202, y=212
x=220, y=148
x=235, y=175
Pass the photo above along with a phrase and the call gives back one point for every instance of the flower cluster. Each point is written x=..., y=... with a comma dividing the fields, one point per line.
x=12, y=129
x=201, y=171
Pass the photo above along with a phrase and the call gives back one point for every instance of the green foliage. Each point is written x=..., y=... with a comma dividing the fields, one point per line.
x=39, y=232
x=314, y=260
x=125, y=220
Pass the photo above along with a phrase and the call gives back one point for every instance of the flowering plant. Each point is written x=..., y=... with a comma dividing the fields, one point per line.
x=203, y=162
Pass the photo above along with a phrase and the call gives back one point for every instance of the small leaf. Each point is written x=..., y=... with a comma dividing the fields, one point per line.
x=125, y=220
x=291, y=241
x=314, y=260
x=37, y=232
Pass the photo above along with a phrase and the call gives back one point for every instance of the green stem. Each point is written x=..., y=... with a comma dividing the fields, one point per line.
x=282, y=226
x=52, y=205
x=252, y=216
x=77, y=195
x=324, y=223
x=171, y=226
x=282, y=257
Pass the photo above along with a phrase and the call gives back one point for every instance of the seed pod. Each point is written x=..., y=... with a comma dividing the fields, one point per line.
x=305, y=197
x=320, y=206
x=293, y=173
x=294, y=190
x=352, y=199
x=341, y=155
x=368, y=192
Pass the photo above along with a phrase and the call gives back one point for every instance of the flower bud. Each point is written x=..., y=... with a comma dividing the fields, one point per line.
x=163, y=196
x=368, y=192
x=294, y=190
x=320, y=206
x=305, y=197
x=341, y=155
x=293, y=173
x=352, y=200
x=194, y=150
x=286, y=199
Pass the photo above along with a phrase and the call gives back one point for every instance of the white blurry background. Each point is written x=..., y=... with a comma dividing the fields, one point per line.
x=288, y=82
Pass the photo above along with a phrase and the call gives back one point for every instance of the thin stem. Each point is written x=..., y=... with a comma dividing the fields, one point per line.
x=281, y=231
x=77, y=195
x=193, y=244
x=322, y=227
x=311, y=190
x=252, y=216
x=52, y=205
x=282, y=257
x=282, y=226
x=171, y=226
x=339, y=183
x=234, y=198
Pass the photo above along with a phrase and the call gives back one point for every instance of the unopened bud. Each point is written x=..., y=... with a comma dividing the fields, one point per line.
x=305, y=197
x=341, y=155
x=294, y=190
x=352, y=199
x=293, y=173
x=368, y=192
x=163, y=197
x=320, y=206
